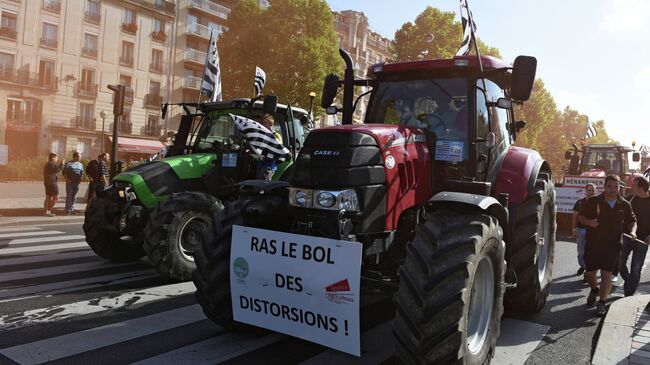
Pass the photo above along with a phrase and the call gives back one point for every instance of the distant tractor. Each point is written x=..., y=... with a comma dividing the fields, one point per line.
x=600, y=160
x=448, y=212
x=160, y=208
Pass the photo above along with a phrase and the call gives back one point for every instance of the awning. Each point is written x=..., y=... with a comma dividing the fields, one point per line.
x=137, y=145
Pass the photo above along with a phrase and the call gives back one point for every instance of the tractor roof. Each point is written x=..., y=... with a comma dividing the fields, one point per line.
x=607, y=147
x=456, y=63
x=243, y=103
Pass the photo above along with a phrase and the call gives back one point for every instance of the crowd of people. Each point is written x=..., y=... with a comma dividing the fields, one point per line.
x=73, y=171
x=613, y=234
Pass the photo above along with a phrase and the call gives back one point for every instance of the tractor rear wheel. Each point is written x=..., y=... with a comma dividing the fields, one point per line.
x=450, y=297
x=533, y=246
x=100, y=228
x=212, y=274
x=174, y=231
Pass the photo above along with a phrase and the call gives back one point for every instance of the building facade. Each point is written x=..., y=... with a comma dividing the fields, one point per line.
x=57, y=58
x=365, y=47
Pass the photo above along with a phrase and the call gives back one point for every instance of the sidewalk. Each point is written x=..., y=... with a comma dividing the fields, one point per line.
x=625, y=336
x=19, y=199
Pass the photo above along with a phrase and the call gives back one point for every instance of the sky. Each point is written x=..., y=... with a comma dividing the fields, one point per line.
x=593, y=55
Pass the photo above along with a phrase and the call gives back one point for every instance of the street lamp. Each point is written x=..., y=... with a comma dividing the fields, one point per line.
x=103, y=115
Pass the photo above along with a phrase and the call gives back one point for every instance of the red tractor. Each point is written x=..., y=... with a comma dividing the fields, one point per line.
x=450, y=215
x=600, y=160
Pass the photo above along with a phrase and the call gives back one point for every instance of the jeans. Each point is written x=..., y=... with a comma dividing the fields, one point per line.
x=632, y=277
x=582, y=241
x=71, y=190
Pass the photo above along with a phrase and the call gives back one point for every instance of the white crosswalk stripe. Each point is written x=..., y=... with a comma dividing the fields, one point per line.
x=133, y=305
x=19, y=229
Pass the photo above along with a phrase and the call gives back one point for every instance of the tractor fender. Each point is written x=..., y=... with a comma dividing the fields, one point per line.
x=486, y=204
x=518, y=173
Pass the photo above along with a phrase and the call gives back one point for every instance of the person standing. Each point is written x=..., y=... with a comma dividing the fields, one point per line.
x=607, y=216
x=73, y=173
x=50, y=180
x=91, y=172
x=640, y=203
x=102, y=177
x=579, y=230
x=267, y=167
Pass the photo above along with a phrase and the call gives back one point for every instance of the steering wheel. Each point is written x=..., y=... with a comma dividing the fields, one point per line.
x=438, y=121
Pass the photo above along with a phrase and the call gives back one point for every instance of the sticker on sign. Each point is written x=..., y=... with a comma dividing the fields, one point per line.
x=302, y=286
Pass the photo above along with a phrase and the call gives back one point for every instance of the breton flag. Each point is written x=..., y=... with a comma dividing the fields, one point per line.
x=260, y=80
x=211, y=85
x=469, y=28
x=261, y=139
x=591, y=130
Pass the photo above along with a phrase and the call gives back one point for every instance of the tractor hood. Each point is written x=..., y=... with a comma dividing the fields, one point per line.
x=385, y=135
x=156, y=180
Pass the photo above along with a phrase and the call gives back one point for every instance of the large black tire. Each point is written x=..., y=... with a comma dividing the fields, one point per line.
x=533, y=247
x=174, y=232
x=212, y=274
x=102, y=236
x=450, y=266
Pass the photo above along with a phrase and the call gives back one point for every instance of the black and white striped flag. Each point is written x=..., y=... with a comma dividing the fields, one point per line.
x=261, y=139
x=591, y=130
x=260, y=80
x=211, y=84
x=469, y=28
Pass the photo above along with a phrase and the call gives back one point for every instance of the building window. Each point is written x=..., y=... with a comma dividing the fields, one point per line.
x=153, y=98
x=152, y=128
x=126, y=59
x=92, y=14
x=158, y=33
x=52, y=5
x=128, y=92
x=6, y=63
x=125, y=121
x=87, y=87
x=90, y=45
x=50, y=35
x=129, y=24
x=86, y=118
x=46, y=73
x=156, y=60
x=58, y=145
x=83, y=147
x=24, y=111
x=8, y=28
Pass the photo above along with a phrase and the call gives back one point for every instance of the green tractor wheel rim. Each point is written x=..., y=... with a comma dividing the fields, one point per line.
x=189, y=238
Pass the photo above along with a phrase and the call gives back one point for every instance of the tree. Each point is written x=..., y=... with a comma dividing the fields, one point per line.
x=433, y=34
x=293, y=41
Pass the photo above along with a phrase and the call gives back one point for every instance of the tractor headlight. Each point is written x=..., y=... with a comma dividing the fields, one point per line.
x=348, y=200
x=326, y=199
x=125, y=191
x=300, y=197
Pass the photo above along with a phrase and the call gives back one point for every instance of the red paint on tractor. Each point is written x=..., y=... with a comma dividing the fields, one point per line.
x=515, y=173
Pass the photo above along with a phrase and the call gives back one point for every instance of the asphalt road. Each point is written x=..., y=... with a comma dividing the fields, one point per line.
x=61, y=303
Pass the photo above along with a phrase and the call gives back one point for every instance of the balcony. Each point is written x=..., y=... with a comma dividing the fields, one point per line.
x=8, y=33
x=86, y=123
x=130, y=28
x=192, y=82
x=156, y=67
x=198, y=30
x=85, y=90
x=152, y=130
x=153, y=100
x=209, y=8
x=128, y=95
x=159, y=36
x=195, y=56
x=49, y=42
x=89, y=52
x=167, y=7
x=125, y=126
x=126, y=61
x=92, y=17
x=30, y=79
x=52, y=5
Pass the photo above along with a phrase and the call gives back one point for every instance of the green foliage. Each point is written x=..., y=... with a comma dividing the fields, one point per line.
x=293, y=41
x=433, y=34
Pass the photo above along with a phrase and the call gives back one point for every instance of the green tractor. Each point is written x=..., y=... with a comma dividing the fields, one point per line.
x=159, y=208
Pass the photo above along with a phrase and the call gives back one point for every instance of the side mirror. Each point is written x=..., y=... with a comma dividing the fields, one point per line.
x=330, y=87
x=331, y=110
x=523, y=77
x=504, y=103
x=270, y=104
x=636, y=157
x=568, y=155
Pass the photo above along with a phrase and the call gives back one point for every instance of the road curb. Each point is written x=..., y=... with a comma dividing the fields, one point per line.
x=615, y=340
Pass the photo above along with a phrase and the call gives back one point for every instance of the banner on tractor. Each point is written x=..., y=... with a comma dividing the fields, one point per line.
x=581, y=181
x=303, y=286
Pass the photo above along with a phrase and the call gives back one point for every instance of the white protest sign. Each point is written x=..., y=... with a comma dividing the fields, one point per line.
x=303, y=286
x=566, y=198
x=581, y=181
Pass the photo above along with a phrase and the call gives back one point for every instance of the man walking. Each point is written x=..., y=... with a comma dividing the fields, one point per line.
x=102, y=177
x=640, y=202
x=50, y=180
x=579, y=230
x=73, y=173
x=91, y=172
x=607, y=216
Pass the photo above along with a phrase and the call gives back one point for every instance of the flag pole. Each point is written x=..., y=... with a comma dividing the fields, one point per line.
x=205, y=66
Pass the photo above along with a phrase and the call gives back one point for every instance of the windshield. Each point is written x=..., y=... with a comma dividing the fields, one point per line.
x=437, y=104
x=215, y=128
x=608, y=161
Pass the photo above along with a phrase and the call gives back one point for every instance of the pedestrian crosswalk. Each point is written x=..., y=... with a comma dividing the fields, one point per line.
x=60, y=302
